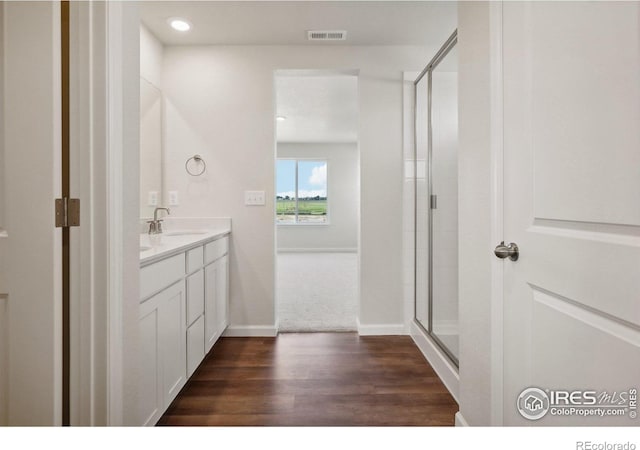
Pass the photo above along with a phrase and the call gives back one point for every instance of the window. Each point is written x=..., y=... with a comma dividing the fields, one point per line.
x=301, y=191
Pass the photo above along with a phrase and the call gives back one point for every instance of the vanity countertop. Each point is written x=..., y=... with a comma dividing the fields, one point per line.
x=159, y=246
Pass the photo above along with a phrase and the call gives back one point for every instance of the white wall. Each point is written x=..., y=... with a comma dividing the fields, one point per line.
x=343, y=200
x=475, y=253
x=220, y=104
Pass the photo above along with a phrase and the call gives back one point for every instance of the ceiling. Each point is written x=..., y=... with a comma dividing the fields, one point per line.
x=318, y=108
x=287, y=22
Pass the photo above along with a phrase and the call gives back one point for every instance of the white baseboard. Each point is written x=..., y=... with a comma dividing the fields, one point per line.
x=447, y=372
x=380, y=329
x=251, y=331
x=317, y=250
x=460, y=422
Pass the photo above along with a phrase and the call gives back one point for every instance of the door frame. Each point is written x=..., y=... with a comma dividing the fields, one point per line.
x=480, y=35
x=90, y=350
x=102, y=386
x=324, y=71
x=497, y=212
x=104, y=167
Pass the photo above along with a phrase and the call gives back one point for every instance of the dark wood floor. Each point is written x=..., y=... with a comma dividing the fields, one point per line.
x=314, y=379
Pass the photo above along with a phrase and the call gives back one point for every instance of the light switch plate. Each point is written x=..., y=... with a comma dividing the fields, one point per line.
x=254, y=198
x=153, y=198
x=173, y=198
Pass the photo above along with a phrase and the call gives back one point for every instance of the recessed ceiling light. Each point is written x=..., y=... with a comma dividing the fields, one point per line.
x=179, y=24
x=280, y=118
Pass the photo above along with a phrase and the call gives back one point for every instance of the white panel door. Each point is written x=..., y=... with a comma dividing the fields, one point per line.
x=572, y=205
x=31, y=245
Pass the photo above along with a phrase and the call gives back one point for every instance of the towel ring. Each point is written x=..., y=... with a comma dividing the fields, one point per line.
x=197, y=159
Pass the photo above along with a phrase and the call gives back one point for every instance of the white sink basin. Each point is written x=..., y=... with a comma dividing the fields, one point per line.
x=185, y=233
x=144, y=248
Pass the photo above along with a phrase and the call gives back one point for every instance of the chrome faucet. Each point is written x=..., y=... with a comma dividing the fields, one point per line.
x=155, y=225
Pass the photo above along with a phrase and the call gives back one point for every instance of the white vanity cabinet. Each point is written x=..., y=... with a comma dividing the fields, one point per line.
x=162, y=373
x=183, y=311
x=216, y=290
x=162, y=325
x=216, y=300
x=222, y=294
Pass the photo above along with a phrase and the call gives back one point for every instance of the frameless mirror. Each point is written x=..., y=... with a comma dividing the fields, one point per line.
x=150, y=148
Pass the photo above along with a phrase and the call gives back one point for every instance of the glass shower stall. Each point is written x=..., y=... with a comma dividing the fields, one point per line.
x=436, y=199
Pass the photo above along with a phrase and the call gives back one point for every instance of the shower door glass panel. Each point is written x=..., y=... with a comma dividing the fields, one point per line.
x=444, y=207
x=422, y=201
x=436, y=199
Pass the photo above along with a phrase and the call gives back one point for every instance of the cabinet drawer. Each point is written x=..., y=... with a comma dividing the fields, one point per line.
x=157, y=276
x=195, y=259
x=195, y=345
x=216, y=249
x=195, y=296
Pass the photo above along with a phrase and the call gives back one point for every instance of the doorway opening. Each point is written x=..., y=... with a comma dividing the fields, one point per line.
x=317, y=200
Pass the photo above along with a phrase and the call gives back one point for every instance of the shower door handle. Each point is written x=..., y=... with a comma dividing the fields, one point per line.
x=433, y=202
x=510, y=251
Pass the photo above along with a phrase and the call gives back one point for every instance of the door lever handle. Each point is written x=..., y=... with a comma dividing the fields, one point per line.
x=510, y=251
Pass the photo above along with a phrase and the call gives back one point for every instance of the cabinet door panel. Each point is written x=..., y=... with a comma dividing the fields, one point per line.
x=195, y=296
x=157, y=276
x=173, y=341
x=195, y=259
x=222, y=293
x=214, y=250
x=195, y=345
x=210, y=323
x=150, y=385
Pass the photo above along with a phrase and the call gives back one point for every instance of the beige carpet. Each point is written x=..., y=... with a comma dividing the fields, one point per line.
x=317, y=291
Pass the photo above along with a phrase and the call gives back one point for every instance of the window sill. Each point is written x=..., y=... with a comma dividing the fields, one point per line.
x=303, y=224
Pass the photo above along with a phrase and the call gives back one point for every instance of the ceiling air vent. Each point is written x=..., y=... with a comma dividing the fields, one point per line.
x=327, y=35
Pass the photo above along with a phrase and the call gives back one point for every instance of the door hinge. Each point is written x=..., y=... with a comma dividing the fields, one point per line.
x=433, y=203
x=67, y=212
